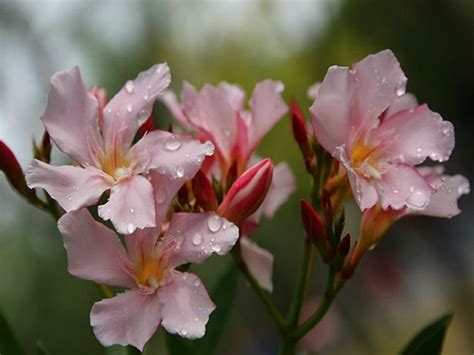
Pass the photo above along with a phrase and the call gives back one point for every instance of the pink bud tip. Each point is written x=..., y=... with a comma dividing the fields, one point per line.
x=204, y=192
x=248, y=192
x=314, y=228
x=12, y=170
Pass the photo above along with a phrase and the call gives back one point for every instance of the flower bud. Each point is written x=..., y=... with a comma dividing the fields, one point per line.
x=204, y=192
x=247, y=193
x=300, y=133
x=146, y=127
x=315, y=230
x=12, y=170
x=344, y=246
x=43, y=152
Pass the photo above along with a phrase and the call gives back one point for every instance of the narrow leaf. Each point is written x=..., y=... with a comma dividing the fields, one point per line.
x=430, y=339
x=8, y=343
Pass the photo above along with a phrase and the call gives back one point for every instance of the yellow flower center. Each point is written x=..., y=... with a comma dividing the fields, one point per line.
x=364, y=156
x=116, y=164
x=149, y=270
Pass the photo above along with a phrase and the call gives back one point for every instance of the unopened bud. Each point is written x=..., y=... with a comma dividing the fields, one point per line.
x=344, y=246
x=43, y=151
x=315, y=230
x=204, y=192
x=327, y=207
x=13, y=172
x=247, y=193
x=300, y=133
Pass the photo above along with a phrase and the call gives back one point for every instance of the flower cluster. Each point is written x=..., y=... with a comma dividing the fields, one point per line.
x=176, y=197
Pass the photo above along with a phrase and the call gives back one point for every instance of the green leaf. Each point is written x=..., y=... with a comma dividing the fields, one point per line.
x=116, y=350
x=430, y=339
x=223, y=296
x=40, y=349
x=8, y=343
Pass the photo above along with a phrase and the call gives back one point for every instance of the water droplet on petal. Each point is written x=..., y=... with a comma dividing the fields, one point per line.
x=185, y=275
x=129, y=107
x=161, y=195
x=450, y=190
x=197, y=283
x=161, y=169
x=196, y=319
x=214, y=223
x=401, y=90
x=146, y=97
x=132, y=210
x=464, y=189
x=129, y=86
x=418, y=199
x=183, y=332
x=217, y=248
x=197, y=239
x=130, y=228
x=172, y=143
x=180, y=171
x=69, y=197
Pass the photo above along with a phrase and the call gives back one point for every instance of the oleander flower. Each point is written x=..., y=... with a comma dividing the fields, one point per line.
x=98, y=137
x=217, y=113
x=363, y=117
x=157, y=292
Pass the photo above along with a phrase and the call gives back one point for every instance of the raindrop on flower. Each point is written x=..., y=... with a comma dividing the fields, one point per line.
x=197, y=239
x=145, y=97
x=214, y=223
x=130, y=228
x=197, y=283
x=183, y=332
x=129, y=107
x=172, y=143
x=129, y=86
x=161, y=195
x=180, y=171
x=217, y=248
x=132, y=210
x=185, y=275
x=418, y=199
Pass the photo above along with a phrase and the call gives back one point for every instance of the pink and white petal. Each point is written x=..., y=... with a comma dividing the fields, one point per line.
x=193, y=237
x=267, y=108
x=94, y=252
x=259, y=262
x=402, y=185
x=313, y=90
x=443, y=202
x=141, y=243
x=164, y=191
x=404, y=102
x=130, y=318
x=133, y=104
x=364, y=193
x=185, y=305
x=380, y=80
x=234, y=93
x=177, y=156
x=171, y=102
x=71, y=117
x=413, y=135
x=72, y=187
x=211, y=110
x=331, y=112
x=283, y=185
x=131, y=205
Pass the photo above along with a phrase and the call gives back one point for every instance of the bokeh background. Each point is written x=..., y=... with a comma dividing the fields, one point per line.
x=422, y=269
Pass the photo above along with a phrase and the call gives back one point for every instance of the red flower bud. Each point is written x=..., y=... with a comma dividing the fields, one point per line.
x=315, y=230
x=12, y=170
x=204, y=192
x=247, y=192
x=344, y=246
x=147, y=126
x=300, y=133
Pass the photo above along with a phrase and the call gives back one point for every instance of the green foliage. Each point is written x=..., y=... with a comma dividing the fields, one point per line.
x=223, y=296
x=430, y=339
x=8, y=343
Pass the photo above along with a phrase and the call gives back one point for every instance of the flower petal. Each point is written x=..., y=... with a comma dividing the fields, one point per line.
x=443, y=202
x=331, y=111
x=402, y=185
x=72, y=187
x=71, y=117
x=130, y=318
x=171, y=102
x=404, y=102
x=133, y=104
x=197, y=235
x=94, y=251
x=177, y=156
x=130, y=206
x=259, y=262
x=267, y=108
x=185, y=305
x=283, y=185
x=212, y=111
x=379, y=81
x=413, y=135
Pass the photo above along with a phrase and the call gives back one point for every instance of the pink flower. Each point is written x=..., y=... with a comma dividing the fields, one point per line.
x=363, y=117
x=217, y=113
x=104, y=155
x=158, y=293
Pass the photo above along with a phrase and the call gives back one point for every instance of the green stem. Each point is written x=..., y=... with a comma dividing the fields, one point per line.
x=303, y=282
x=287, y=346
x=329, y=295
x=131, y=350
x=261, y=293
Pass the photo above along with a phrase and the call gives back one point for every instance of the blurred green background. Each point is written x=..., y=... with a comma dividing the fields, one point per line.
x=422, y=269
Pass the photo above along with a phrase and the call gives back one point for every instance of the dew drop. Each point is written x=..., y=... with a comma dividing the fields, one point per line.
x=418, y=199
x=464, y=189
x=146, y=97
x=395, y=191
x=200, y=308
x=129, y=107
x=217, y=248
x=161, y=195
x=450, y=190
x=196, y=319
x=197, y=283
x=214, y=223
x=185, y=275
x=161, y=169
x=132, y=210
x=129, y=86
x=183, y=332
x=400, y=91
x=172, y=143
x=69, y=197
x=130, y=228
x=180, y=171
x=197, y=239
